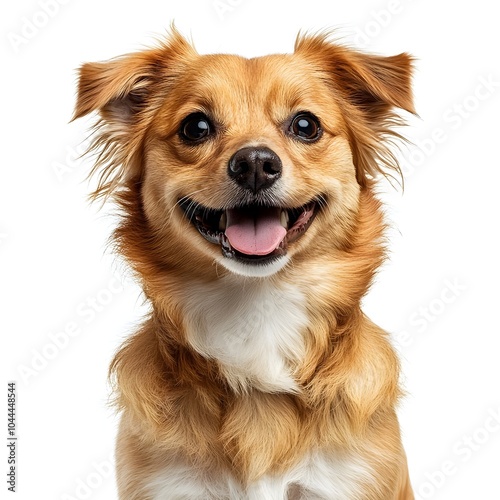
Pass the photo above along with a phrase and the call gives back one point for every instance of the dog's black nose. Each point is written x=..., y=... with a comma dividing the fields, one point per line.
x=255, y=168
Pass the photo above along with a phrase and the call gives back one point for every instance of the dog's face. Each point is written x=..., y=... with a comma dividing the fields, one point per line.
x=251, y=153
x=248, y=162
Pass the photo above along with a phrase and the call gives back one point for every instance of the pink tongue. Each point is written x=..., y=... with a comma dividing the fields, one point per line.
x=256, y=232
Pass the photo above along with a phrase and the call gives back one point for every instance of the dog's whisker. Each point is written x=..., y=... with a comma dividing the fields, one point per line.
x=322, y=201
x=187, y=197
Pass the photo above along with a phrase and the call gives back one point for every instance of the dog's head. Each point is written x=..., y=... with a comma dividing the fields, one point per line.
x=248, y=162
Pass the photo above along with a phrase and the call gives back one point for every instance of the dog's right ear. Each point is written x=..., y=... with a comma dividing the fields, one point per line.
x=115, y=88
x=121, y=85
x=126, y=92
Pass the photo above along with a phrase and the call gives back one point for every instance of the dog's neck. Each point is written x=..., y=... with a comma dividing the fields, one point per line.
x=271, y=333
x=252, y=328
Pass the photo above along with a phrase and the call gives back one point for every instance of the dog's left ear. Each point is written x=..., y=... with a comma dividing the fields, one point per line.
x=368, y=89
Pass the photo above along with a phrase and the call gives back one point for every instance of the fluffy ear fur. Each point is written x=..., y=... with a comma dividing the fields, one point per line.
x=370, y=87
x=126, y=92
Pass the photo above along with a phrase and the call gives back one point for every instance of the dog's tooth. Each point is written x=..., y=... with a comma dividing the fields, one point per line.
x=284, y=218
x=223, y=222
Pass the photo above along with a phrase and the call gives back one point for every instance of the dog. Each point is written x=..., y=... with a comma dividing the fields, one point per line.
x=246, y=189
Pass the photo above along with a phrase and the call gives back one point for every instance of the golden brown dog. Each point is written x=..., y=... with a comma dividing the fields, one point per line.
x=246, y=188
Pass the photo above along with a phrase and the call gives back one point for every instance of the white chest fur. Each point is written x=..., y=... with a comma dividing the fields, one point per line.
x=318, y=477
x=252, y=326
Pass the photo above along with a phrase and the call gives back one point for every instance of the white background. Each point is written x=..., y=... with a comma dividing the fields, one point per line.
x=438, y=295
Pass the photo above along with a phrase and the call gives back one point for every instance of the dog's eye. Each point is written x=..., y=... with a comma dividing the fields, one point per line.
x=305, y=126
x=195, y=127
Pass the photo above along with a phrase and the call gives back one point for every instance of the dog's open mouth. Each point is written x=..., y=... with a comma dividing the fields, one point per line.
x=254, y=234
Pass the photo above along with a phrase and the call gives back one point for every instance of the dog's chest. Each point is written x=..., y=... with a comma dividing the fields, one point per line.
x=319, y=476
x=252, y=327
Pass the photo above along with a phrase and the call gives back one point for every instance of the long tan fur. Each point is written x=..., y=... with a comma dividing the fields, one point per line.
x=179, y=404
